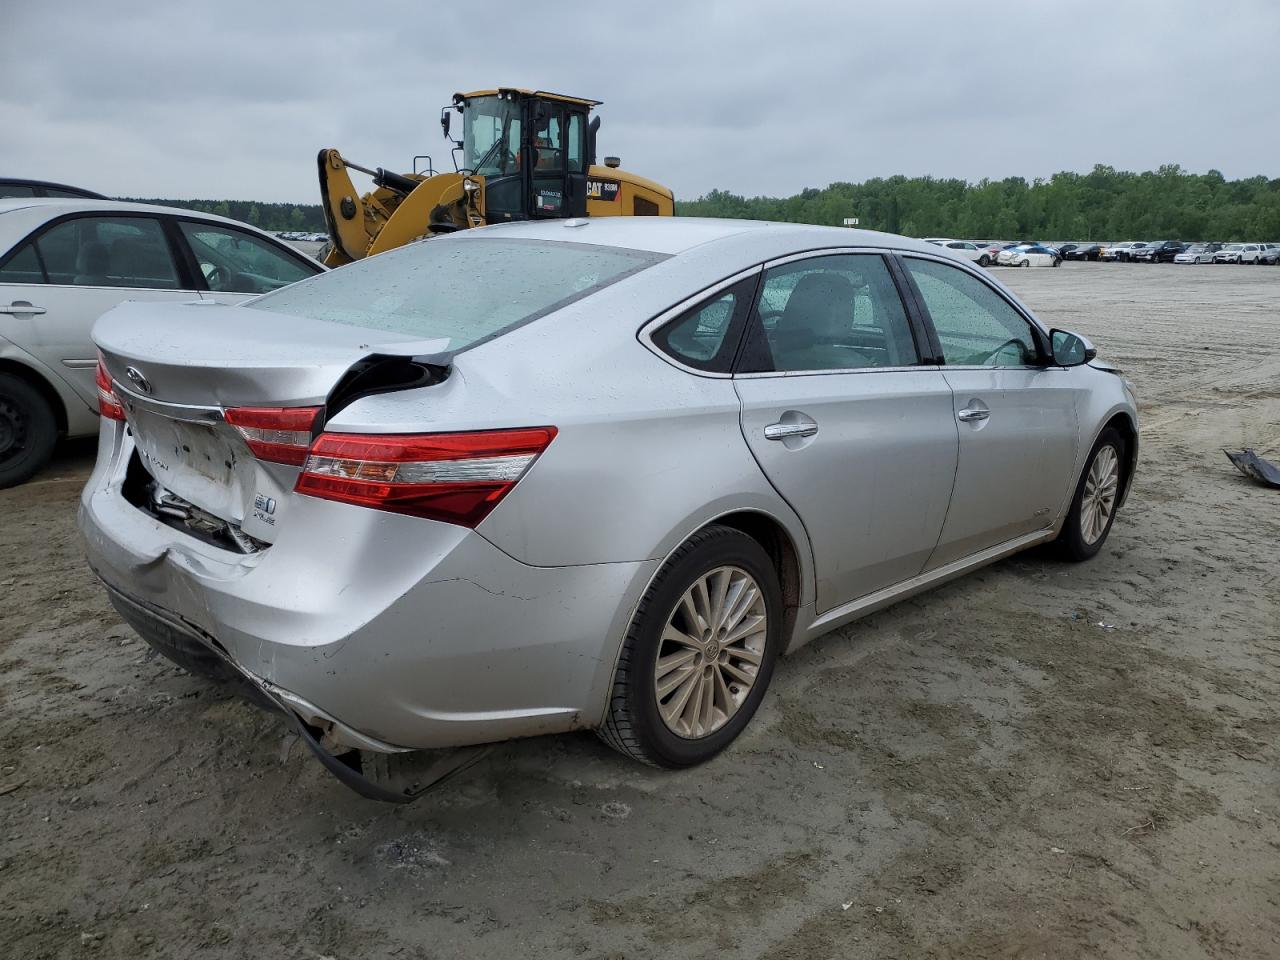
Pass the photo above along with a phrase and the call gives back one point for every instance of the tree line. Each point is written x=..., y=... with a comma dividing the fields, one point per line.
x=1103, y=204
x=266, y=216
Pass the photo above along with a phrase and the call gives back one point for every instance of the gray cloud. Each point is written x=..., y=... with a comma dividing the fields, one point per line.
x=234, y=99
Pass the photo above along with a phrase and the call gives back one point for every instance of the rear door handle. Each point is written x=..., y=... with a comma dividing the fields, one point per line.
x=781, y=431
x=21, y=308
x=972, y=415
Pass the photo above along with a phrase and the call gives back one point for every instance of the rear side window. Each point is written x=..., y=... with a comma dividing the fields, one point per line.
x=706, y=336
x=461, y=289
x=108, y=252
x=838, y=312
x=22, y=267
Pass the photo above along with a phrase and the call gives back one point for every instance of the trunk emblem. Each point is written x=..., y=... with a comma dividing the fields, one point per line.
x=138, y=380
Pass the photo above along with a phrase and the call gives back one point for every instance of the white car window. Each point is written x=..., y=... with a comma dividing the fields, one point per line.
x=234, y=261
x=22, y=267
x=108, y=252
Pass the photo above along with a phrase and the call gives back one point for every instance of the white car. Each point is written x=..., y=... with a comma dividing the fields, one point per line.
x=64, y=263
x=1118, y=251
x=968, y=250
x=1029, y=255
x=1239, y=253
x=1197, y=253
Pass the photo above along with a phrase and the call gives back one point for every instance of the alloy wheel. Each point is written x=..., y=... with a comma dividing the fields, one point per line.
x=710, y=652
x=1100, y=490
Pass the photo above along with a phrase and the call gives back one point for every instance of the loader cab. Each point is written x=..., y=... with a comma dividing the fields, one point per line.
x=532, y=149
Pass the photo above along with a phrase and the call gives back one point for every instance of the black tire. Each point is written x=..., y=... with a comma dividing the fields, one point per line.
x=28, y=430
x=633, y=725
x=1070, y=542
x=984, y=261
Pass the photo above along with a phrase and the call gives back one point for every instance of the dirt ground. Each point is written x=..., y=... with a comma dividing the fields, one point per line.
x=1040, y=760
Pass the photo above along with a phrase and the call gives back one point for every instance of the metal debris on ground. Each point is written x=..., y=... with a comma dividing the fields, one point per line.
x=1255, y=468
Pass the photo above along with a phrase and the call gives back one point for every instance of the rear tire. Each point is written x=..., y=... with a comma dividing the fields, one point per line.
x=641, y=721
x=984, y=261
x=1093, y=508
x=28, y=430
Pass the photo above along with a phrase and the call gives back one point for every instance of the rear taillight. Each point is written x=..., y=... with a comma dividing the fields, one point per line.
x=278, y=434
x=453, y=477
x=108, y=403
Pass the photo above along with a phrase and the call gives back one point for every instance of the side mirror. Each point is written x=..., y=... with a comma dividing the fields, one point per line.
x=1070, y=349
x=444, y=121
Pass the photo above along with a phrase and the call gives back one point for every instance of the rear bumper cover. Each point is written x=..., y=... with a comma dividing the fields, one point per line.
x=393, y=633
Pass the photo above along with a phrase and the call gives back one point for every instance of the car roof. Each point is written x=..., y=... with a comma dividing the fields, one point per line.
x=51, y=185
x=21, y=215
x=675, y=235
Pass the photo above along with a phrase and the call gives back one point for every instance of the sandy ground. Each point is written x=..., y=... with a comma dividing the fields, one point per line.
x=1038, y=761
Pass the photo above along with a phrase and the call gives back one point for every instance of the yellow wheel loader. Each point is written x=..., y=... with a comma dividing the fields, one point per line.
x=524, y=155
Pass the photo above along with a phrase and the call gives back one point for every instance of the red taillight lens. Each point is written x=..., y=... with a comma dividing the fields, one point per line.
x=108, y=404
x=278, y=434
x=453, y=477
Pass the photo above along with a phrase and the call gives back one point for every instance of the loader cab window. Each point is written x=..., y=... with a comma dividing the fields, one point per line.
x=577, y=143
x=491, y=136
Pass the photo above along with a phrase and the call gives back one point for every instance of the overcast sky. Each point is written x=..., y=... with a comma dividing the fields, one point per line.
x=232, y=99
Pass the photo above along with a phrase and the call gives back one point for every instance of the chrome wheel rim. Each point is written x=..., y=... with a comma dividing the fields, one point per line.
x=710, y=653
x=1099, y=500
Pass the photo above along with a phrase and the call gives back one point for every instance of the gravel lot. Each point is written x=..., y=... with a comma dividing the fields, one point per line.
x=1037, y=761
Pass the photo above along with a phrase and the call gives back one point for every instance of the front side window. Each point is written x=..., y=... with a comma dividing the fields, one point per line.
x=976, y=326
x=429, y=290
x=838, y=312
x=233, y=261
x=108, y=252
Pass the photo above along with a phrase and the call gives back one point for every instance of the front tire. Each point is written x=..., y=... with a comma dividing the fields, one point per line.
x=984, y=261
x=699, y=654
x=28, y=430
x=1093, y=508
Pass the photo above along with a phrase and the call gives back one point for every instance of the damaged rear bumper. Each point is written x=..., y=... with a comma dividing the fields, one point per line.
x=372, y=778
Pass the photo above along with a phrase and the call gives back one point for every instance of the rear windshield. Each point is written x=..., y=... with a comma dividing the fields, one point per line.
x=466, y=290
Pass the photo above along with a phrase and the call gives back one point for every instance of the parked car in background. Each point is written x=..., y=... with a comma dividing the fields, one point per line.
x=1158, y=251
x=1030, y=255
x=63, y=263
x=992, y=247
x=17, y=187
x=1081, y=251
x=1239, y=253
x=1116, y=252
x=1270, y=254
x=484, y=535
x=969, y=250
x=1198, y=253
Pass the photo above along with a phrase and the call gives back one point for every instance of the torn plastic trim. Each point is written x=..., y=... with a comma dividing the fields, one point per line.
x=1255, y=468
x=382, y=776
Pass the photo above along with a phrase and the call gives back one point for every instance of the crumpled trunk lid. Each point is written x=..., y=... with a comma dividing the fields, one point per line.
x=177, y=368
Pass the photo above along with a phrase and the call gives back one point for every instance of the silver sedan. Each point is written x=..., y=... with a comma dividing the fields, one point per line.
x=596, y=474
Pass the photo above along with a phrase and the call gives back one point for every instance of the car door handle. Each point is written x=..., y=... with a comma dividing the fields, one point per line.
x=972, y=415
x=21, y=308
x=781, y=431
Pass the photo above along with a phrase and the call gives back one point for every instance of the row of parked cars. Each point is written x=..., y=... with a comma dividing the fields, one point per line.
x=989, y=253
x=296, y=236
